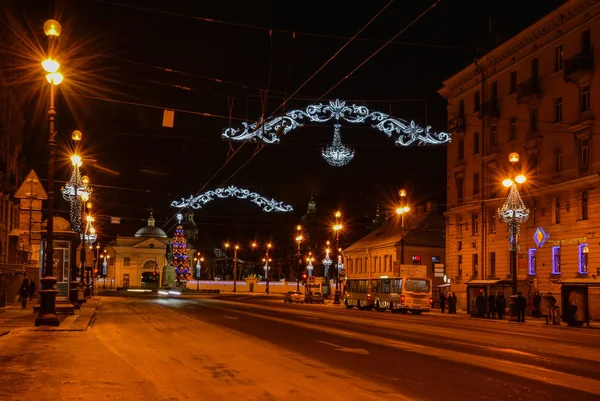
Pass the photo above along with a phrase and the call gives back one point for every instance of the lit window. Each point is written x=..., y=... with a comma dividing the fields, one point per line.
x=532, y=264
x=583, y=258
x=556, y=260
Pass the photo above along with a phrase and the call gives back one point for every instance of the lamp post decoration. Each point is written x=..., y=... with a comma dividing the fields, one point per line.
x=47, y=315
x=76, y=190
x=327, y=262
x=513, y=212
x=309, y=265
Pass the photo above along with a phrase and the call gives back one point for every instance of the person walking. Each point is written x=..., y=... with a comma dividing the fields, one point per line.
x=521, y=306
x=24, y=292
x=537, y=304
x=491, y=313
x=451, y=303
x=480, y=303
x=552, y=308
x=500, y=305
x=443, y=302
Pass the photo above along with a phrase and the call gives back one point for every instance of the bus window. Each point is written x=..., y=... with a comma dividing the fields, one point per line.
x=385, y=286
x=417, y=285
x=396, y=286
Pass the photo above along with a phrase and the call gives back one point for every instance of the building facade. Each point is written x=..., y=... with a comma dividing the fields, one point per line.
x=134, y=260
x=538, y=95
x=420, y=242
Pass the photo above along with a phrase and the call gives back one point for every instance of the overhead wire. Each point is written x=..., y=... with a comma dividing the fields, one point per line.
x=284, y=31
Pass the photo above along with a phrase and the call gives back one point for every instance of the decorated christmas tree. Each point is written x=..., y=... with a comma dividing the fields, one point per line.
x=180, y=258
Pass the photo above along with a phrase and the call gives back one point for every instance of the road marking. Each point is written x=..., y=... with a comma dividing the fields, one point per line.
x=231, y=317
x=360, y=351
x=311, y=317
x=532, y=372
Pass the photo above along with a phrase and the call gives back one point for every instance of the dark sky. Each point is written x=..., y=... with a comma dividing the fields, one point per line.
x=121, y=53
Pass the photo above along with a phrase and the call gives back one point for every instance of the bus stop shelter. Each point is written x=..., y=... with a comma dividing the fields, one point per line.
x=486, y=287
x=580, y=301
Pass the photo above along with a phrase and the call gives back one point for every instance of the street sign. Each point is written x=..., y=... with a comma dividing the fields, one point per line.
x=311, y=279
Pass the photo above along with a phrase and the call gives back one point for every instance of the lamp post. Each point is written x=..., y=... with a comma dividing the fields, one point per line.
x=267, y=260
x=199, y=259
x=299, y=239
x=309, y=265
x=47, y=315
x=513, y=213
x=337, y=228
x=88, y=238
x=327, y=262
x=235, y=249
x=401, y=211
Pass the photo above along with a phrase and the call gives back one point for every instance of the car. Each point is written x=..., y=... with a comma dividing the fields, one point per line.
x=288, y=297
x=298, y=297
x=315, y=297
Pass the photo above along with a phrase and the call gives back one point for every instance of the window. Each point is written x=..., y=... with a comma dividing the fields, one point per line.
x=557, y=160
x=493, y=218
x=533, y=120
x=494, y=91
x=494, y=136
x=558, y=110
x=476, y=102
x=476, y=143
x=461, y=148
x=532, y=262
x=583, y=258
x=476, y=184
x=492, y=264
x=416, y=259
x=557, y=210
x=126, y=261
x=532, y=161
x=460, y=189
x=584, y=153
x=474, y=224
x=459, y=246
x=459, y=265
x=512, y=128
x=461, y=107
x=459, y=224
x=556, y=260
x=475, y=259
x=584, y=205
x=535, y=69
x=558, y=58
x=586, y=41
x=513, y=83
x=584, y=104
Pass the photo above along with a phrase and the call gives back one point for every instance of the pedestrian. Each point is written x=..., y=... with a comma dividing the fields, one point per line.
x=552, y=308
x=450, y=300
x=500, y=305
x=491, y=314
x=537, y=303
x=24, y=292
x=443, y=302
x=480, y=304
x=521, y=306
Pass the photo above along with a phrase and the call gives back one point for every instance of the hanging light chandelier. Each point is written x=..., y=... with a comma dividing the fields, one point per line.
x=337, y=154
x=76, y=191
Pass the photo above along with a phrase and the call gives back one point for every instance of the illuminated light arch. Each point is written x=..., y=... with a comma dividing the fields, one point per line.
x=270, y=130
x=267, y=205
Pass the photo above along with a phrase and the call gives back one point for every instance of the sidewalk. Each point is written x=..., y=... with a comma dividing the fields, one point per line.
x=13, y=318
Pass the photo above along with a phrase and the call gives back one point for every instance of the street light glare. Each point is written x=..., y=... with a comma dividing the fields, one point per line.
x=513, y=157
x=76, y=135
x=50, y=65
x=402, y=193
x=520, y=179
x=507, y=182
x=338, y=214
x=52, y=28
x=298, y=227
x=76, y=160
x=55, y=78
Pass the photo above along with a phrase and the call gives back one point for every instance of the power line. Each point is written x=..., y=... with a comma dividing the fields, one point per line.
x=284, y=31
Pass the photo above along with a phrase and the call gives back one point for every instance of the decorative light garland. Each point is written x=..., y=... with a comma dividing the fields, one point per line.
x=310, y=268
x=267, y=205
x=513, y=212
x=89, y=236
x=337, y=154
x=270, y=130
x=73, y=192
x=327, y=262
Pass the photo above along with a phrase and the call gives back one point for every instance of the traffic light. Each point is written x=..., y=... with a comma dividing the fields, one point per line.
x=304, y=276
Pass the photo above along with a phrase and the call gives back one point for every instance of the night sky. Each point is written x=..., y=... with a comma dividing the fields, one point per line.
x=237, y=68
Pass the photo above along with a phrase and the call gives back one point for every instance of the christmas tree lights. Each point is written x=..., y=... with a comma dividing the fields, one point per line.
x=180, y=258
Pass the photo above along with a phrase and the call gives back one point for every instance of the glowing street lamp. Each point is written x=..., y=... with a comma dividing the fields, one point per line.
x=337, y=227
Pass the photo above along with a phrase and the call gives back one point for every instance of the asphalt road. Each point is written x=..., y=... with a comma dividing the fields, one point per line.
x=420, y=357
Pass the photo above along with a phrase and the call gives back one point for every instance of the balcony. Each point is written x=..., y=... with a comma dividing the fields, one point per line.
x=529, y=92
x=579, y=68
x=457, y=125
x=489, y=110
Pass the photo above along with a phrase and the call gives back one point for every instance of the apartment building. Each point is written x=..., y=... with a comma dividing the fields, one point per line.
x=537, y=94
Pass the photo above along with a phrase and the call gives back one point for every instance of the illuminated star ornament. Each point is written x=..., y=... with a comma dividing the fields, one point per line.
x=270, y=130
x=267, y=205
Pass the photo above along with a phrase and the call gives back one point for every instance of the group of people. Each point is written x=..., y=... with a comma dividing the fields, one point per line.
x=450, y=300
x=494, y=305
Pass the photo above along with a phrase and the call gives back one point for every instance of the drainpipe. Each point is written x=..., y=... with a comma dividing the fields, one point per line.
x=482, y=175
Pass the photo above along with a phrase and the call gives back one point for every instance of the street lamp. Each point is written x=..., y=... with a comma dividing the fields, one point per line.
x=337, y=227
x=199, y=259
x=267, y=267
x=513, y=212
x=401, y=211
x=235, y=260
x=299, y=239
x=47, y=315
x=309, y=266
